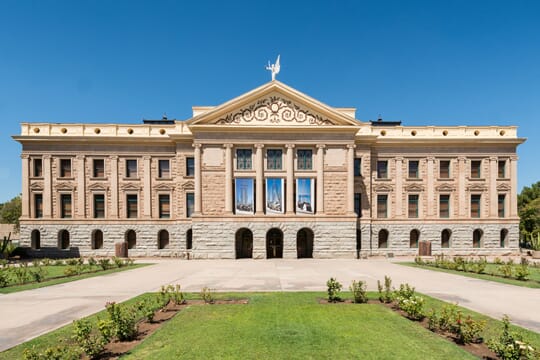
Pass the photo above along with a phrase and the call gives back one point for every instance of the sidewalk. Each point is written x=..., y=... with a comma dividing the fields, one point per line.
x=31, y=313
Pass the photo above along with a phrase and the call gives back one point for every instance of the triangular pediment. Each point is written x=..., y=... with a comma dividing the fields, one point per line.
x=189, y=185
x=382, y=188
x=64, y=186
x=36, y=187
x=273, y=105
x=414, y=188
x=477, y=187
x=445, y=188
x=130, y=187
x=503, y=187
x=97, y=187
x=164, y=187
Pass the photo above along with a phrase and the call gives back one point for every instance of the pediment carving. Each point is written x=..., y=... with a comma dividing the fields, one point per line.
x=274, y=110
x=164, y=187
x=130, y=187
x=504, y=187
x=98, y=187
x=414, y=188
x=65, y=186
x=477, y=187
x=189, y=185
x=36, y=187
x=445, y=188
x=383, y=188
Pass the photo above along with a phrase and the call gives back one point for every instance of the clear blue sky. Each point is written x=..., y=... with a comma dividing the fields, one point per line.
x=422, y=62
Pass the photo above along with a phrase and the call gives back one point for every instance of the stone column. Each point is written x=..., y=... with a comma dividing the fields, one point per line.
x=319, y=206
x=25, y=196
x=492, y=195
x=462, y=195
x=399, y=187
x=47, y=186
x=114, y=187
x=228, y=179
x=147, y=186
x=259, y=179
x=513, y=186
x=290, y=178
x=198, y=187
x=81, y=188
x=350, y=179
x=431, y=204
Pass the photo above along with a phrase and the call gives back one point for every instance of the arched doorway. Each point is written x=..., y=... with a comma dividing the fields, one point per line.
x=63, y=239
x=358, y=243
x=445, y=238
x=274, y=244
x=131, y=239
x=383, y=239
x=504, y=236
x=477, y=238
x=244, y=244
x=413, y=238
x=189, y=239
x=304, y=243
x=97, y=239
x=163, y=239
x=35, y=240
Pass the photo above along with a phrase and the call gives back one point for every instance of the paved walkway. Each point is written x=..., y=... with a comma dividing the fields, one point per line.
x=28, y=314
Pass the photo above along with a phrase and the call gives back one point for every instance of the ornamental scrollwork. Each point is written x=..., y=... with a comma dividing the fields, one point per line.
x=274, y=109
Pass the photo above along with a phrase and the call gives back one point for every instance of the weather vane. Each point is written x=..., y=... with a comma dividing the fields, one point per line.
x=274, y=68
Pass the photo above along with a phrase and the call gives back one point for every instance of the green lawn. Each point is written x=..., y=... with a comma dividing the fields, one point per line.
x=55, y=275
x=289, y=326
x=533, y=282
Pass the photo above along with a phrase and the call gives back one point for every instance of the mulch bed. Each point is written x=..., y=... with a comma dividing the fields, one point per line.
x=479, y=350
x=115, y=349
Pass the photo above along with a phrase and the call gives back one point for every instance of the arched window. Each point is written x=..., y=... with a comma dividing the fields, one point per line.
x=477, y=238
x=504, y=237
x=163, y=239
x=445, y=238
x=97, y=239
x=413, y=238
x=131, y=239
x=35, y=240
x=189, y=239
x=304, y=243
x=63, y=239
x=383, y=239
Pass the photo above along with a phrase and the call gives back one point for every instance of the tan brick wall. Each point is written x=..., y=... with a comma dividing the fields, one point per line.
x=213, y=195
x=335, y=200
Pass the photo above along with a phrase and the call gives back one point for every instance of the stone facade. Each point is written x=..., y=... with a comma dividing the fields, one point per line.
x=226, y=184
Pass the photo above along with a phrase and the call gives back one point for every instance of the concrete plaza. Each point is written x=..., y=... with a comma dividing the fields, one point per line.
x=28, y=314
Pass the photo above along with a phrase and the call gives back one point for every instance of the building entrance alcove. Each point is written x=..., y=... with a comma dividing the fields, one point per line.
x=244, y=244
x=304, y=243
x=274, y=244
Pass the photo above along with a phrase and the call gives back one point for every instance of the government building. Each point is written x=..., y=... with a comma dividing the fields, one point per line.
x=272, y=173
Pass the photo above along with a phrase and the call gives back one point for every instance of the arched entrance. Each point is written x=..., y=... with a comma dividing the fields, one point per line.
x=358, y=243
x=97, y=239
x=304, y=243
x=274, y=244
x=244, y=244
x=131, y=239
x=63, y=240
x=163, y=239
x=35, y=240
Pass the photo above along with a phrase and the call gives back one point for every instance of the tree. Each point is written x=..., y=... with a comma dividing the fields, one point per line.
x=529, y=209
x=11, y=212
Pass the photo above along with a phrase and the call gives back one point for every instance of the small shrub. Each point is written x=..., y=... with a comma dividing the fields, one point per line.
x=522, y=272
x=91, y=344
x=92, y=261
x=510, y=345
x=124, y=321
x=433, y=320
x=118, y=262
x=4, y=276
x=36, y=262
x=413, y=307
x=207, y=295
x=497, y=261
x=58, y=352
x=358, y=289
x=333, y=289
x=38, y=273
x=148, y=307
x=4, y=262
x=385, y=294
x=177, y=295
x=105, y=263
x=129, y=262
x=72, y=262
x=46, y=262
x=507, y=269
x=106, y=329
x=479, y=266
x=70, y=271
x=21, y=273
x=447, y=317
x=405, y=291
x=468, y=330
x=59, y=262
x=418, y=260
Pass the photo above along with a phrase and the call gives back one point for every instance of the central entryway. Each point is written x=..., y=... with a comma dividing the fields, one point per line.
x=244, y=244
x=274, y=244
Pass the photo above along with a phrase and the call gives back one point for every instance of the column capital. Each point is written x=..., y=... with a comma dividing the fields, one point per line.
x=197, y=145
x=289, y=146
x=113, y=157
x=493, y=158
x=321, y=146
x=80, y=157
x=25, y=156
x=430, y=158
x=147, y=157
x=514, y=158
x=462, y=158
x=259, y=146
x=47, y=156
x=351, y=146
x=399, y=158
x=228, y=146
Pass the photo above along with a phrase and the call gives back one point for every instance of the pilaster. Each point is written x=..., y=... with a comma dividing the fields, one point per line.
x=114, y=187
x=81, y=188
x=350, y=178
x=513, y=186
x=492, y=195
x=25, y=195
x=259, y=179
x=198, y=187
x=462, y=196
x=290, y=178
x=320, y=179
x=399, y=187
x=431, y=204
x=147, y=187
x=228, y=179
x=47, y=187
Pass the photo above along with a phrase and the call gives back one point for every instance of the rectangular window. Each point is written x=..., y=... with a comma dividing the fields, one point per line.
x=475, y=169
x=190, y=204
x=38, y=168
x=243, y=159
x=413, y=169
x=444, y=206
x=475, y=206
x=382, y=206
x=382, y=169
x=501, y=200
x=38, y=206
x=164, y=206
x=131, y=206
x=190, y=166
x=413, y=206
x=131, y=168
x=357, y=167
x=99, y=168
x=164, y=169
x=65, y=206
x=65, y=167
x=358, y=204
x=273, y=159
x=501, y=169
x=304, y=159
x=444, y=169
x=99, y=206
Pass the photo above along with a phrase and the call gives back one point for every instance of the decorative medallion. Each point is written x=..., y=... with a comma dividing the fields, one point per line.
x=274, y=109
